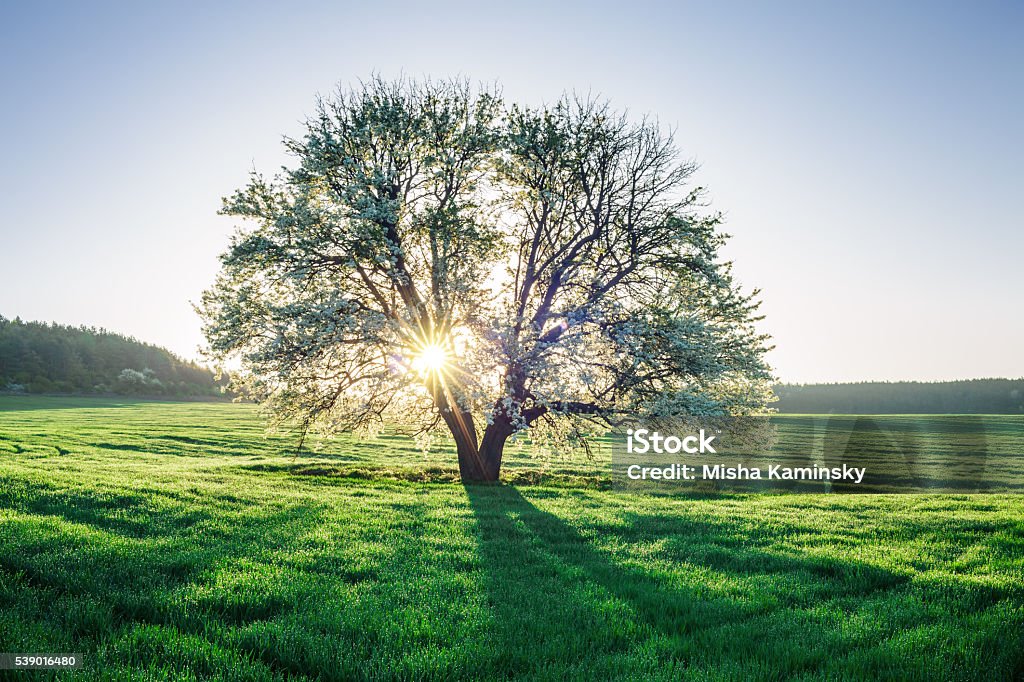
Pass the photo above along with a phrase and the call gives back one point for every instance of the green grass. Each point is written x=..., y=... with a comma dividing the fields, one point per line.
x=173, y=541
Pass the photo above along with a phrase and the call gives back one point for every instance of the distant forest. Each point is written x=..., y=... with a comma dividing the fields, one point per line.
x=36, y=357
x=975, y=396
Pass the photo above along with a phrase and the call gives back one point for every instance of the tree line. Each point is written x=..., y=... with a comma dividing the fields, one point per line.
x=974, y=396
x=40, y=357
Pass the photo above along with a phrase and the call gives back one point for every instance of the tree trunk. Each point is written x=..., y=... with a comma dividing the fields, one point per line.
x=479, y=463
x=493, y=446
x=471, y=467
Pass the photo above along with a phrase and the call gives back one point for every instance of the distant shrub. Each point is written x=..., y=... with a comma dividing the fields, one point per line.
x=134, y=381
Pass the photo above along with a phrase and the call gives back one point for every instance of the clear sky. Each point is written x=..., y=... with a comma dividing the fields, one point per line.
x=868, y=156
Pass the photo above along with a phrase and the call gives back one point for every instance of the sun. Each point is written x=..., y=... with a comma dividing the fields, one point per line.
x=431, y=358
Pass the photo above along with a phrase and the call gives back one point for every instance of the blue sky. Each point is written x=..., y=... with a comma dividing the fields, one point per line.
x=867, y=155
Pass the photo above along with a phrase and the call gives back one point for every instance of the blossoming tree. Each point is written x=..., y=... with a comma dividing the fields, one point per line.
x=438, y=258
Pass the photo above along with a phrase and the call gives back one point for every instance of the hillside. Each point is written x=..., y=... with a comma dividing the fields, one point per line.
x=37, y=357
x=975, y=396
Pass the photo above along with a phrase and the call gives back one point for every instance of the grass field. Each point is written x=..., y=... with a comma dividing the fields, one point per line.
x=173, y=541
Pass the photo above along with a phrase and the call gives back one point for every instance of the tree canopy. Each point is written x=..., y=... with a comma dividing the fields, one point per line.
x=439, y=257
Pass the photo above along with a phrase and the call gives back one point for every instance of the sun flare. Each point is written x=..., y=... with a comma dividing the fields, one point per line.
x=432, y=358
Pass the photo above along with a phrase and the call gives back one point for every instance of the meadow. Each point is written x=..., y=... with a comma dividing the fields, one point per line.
x=174, y=541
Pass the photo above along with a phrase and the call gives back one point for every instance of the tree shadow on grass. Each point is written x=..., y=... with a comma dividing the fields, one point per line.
x=561, y=601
